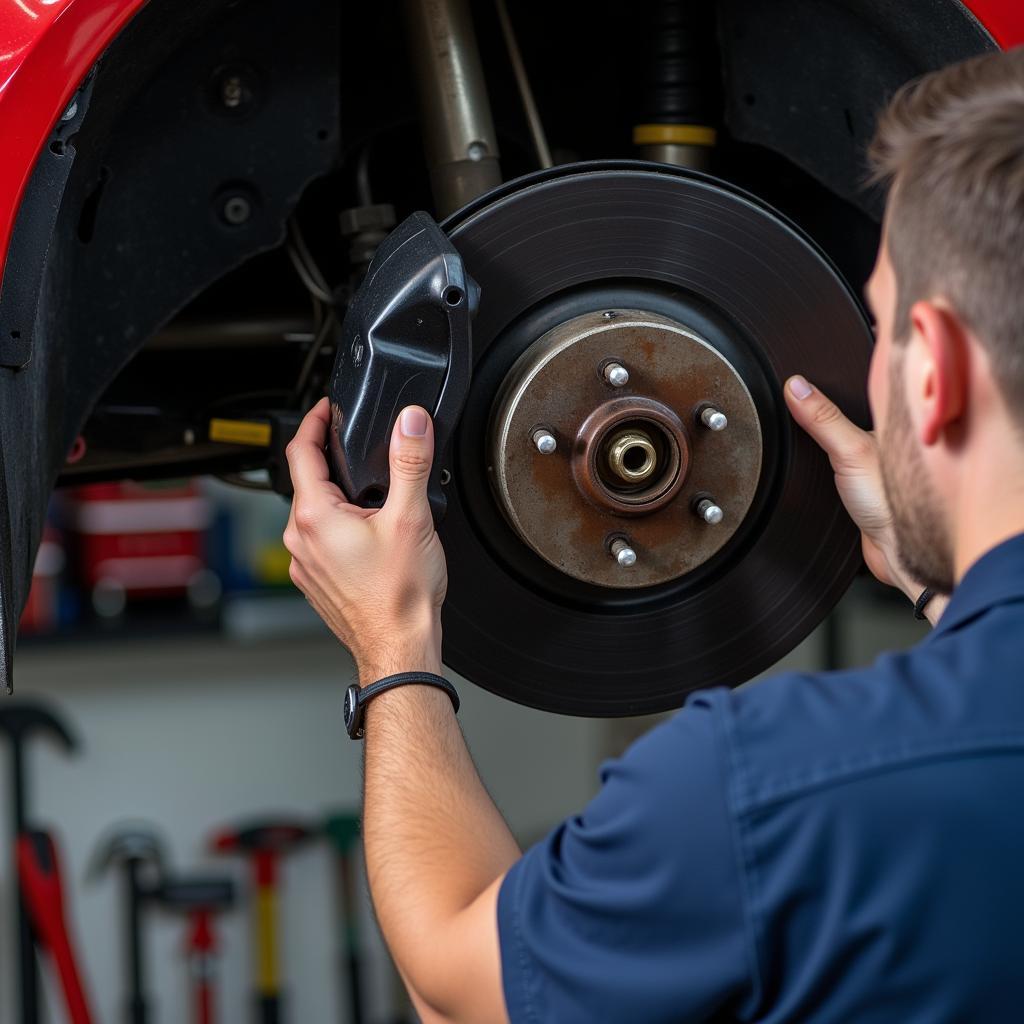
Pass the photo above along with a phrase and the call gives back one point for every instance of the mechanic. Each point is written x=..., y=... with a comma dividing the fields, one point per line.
x=844, y=846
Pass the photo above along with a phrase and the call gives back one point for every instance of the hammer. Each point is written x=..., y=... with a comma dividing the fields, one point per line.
x=43, y=891
x=264, y=842
x=139, y=853
x=342, y=831
x=19, y=721
x=201, y=897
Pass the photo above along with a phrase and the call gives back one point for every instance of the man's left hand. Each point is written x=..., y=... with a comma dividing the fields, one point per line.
x=377, y=577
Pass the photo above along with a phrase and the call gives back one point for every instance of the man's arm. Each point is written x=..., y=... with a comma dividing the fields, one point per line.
x=436, y=847
x=436, y=852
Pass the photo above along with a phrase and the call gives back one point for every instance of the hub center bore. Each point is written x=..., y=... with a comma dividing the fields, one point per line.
x=624, y=478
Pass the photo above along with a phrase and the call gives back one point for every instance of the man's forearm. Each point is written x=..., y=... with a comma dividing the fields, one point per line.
x=433, y=838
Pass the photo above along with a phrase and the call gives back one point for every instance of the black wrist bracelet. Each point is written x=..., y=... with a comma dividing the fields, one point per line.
x=922, y=602
x=356, y=698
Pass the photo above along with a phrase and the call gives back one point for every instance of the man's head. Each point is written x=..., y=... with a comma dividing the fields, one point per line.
x=948, y=294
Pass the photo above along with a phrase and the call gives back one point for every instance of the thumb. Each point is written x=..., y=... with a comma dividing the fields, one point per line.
x=843, y=441
x=411, y=456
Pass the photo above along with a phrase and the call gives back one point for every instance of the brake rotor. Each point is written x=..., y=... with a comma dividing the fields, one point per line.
x=631, y=513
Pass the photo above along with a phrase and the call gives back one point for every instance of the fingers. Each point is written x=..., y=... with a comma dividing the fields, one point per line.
x=412, y=454
x=305, y=451
x=844, y=442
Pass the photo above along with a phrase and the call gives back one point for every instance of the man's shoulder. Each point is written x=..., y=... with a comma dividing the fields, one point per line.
x=797, y=731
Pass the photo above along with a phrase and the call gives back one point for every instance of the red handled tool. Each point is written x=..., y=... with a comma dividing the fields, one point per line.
x=201, y=898
x=201, y=950
x=39, y=876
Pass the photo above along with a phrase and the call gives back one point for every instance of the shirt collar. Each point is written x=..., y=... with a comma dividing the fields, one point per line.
x=995, y=578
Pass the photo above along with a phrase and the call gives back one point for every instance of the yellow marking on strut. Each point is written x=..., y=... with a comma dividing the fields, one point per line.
x=679, y=134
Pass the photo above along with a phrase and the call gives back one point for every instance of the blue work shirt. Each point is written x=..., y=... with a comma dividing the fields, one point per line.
x=844, y=846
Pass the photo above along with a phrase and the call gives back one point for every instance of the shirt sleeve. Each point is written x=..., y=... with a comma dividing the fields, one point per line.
x=633, y=910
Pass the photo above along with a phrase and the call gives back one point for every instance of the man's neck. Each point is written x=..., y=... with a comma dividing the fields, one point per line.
x=989, y=510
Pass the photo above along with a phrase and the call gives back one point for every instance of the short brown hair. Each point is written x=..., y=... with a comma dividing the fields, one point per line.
x=951, y=146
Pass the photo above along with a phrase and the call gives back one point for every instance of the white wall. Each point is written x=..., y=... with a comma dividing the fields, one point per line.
x=193, y=732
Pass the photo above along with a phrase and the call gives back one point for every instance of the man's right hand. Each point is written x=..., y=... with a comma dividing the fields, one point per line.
x=854, y=456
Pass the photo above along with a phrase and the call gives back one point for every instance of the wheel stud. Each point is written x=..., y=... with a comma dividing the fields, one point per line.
x=544, y=441
x=709, y=511
x=616, y=375
x=623, y=553
x=713, y=419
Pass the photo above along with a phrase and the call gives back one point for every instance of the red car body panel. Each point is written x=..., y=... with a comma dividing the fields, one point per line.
x=48, y=46
x=1004, y=20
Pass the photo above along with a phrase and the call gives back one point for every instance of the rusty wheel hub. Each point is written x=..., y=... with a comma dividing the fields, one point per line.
x=632, y=461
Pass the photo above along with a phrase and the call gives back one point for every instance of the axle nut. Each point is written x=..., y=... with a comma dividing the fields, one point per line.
x=632, y=456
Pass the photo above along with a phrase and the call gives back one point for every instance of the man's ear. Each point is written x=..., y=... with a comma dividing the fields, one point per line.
x=937, y=368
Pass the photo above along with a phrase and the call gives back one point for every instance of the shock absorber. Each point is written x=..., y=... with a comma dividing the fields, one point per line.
x=681, y=99
x=458, y=130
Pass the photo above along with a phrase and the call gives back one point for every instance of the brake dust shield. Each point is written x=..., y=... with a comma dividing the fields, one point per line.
x=631, y=513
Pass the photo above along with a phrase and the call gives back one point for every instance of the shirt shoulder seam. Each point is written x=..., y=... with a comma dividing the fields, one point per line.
x=894, y=759
x=733, y=770
x=525, y=974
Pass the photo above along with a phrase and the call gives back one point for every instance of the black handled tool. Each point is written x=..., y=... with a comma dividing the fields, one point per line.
x=139, y=854
x=405, y=341
x=20, y=721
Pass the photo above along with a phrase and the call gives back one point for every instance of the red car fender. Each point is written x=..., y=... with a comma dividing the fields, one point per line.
x=48, y=46
x=1003, y=19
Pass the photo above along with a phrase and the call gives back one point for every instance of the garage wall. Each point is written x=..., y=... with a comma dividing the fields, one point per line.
x=190, y=732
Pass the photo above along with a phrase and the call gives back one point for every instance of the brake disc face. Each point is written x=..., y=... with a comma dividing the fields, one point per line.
x=631, y=514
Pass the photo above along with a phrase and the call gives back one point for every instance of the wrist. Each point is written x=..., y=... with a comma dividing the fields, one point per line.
x=421, y=653
x=935, y=605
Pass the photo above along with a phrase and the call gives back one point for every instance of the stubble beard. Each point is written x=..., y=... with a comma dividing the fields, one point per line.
x=922, y=538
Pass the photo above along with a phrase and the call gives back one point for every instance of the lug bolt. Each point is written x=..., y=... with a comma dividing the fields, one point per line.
x=713, y=419
x=544, y=441
x=709, y=511
x=616, y=375
x=623, y=553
